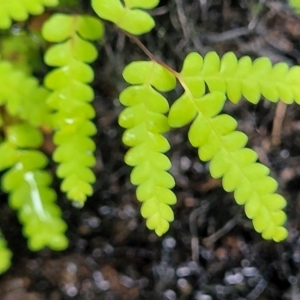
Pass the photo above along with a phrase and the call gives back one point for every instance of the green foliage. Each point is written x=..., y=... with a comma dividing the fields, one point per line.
x=19, y=10
x=26, y=181
x=217, y=141
x=144, y=122
x=63, y=106
x=70, y=99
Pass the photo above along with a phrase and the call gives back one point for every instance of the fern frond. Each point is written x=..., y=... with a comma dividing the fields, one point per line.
x=218, y=141
x=28, y=187
x=5, y=255
x=127, y=16
x=144, y=122
x=242, y=77
x=19, y=10
x=70, y=99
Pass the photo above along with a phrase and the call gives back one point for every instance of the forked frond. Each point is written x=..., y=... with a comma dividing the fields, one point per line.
x=219, y=142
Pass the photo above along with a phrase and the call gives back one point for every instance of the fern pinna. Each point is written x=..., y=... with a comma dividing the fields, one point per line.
x=70, y=99
x=145, y=122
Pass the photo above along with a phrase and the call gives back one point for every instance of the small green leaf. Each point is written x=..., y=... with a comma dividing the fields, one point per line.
x=229, y=64
x=232, y=179
x=31, y=160
x=211, y=104
x=280, y=234
x=58, y=28
x=58, y=55
x=252, y=207
x=233, y=89
x=224, y=124
x=8, y=155
x=24, y=135
x=136, y=22
x=76, y=188
x=211, y=146
x=219, y=164
x=199, y=131
x=192, y=65
x=145, y=171
x=75, y=70
x=182, y=112
x=17, y=11
x=274, y=202
x=211, y=64
x=250, y=90
x=234, y=140
x=89, y=28
x=139, y=154
x=111, y=10
x=157, y=223
x=151, y=207
x=139, y=72
x=154, y=101
x=82, y=50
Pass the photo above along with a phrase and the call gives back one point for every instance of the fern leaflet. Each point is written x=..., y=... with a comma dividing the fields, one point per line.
x=70, y=99
x=144, y=122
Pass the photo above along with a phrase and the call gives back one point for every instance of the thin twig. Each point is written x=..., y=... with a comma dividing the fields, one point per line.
x=221, y=232
x=277, y=124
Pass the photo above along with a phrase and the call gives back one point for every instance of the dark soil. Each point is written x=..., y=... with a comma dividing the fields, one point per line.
x=211, y=250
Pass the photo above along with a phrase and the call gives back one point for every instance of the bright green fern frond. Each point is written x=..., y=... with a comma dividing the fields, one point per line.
x=128, y=16
x=28, y=187
x=5, y=255
x=70, y=99
x=218, y=141
x=144, y=122
x=19, y=10
x=241, y=77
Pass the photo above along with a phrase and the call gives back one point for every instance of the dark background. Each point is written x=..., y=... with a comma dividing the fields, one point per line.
x=211, y=250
